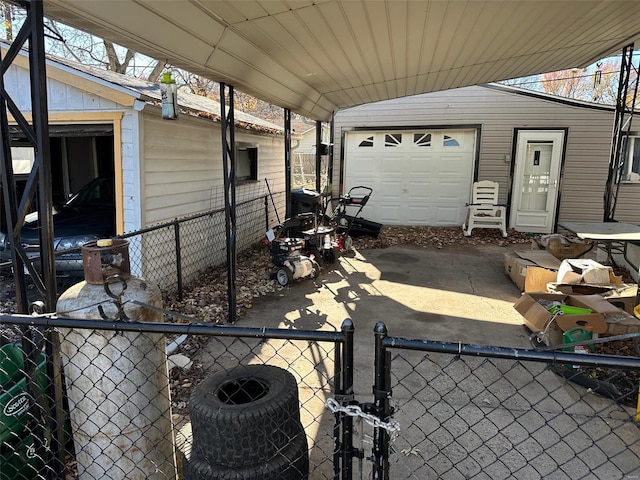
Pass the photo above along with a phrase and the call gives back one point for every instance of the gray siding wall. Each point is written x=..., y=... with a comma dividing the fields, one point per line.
x=499, y=113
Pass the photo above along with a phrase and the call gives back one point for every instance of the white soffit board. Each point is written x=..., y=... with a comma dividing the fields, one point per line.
x=315, y=57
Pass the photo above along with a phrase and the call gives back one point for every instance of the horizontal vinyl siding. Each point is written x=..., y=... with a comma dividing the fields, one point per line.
x=498, y=113
x=183, y=168
x=628, y=206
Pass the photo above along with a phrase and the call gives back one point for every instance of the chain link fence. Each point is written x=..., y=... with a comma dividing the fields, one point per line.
x=167, y=401
x=485, y=412
x=173, y=254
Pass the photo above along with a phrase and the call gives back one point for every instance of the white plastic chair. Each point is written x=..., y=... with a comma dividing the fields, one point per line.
x=484, y=210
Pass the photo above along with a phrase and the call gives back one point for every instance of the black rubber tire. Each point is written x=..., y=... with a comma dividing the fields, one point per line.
x=265, y=417
x=290, y=463
x=284, y=276
x=315, y=269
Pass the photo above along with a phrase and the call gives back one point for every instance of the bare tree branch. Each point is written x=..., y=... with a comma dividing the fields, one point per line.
x=154, y=76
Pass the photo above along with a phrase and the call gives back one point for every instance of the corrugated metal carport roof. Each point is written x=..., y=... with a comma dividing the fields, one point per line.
x=315, y=57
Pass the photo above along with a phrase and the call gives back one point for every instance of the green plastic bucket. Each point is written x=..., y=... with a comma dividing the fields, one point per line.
x=17, y=455
x=577, y=334
x=19, y=459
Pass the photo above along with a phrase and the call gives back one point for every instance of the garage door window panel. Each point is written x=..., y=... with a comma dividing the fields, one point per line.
x=450, y=142
x=422, y=139
x=367, y=142
x=393, y=139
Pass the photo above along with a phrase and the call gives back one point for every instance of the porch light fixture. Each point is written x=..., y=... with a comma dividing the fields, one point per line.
x=169, y=97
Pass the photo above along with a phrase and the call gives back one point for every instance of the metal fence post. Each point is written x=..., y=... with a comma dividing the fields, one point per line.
x=176, y=229
x=381, y=393
x=347, y=395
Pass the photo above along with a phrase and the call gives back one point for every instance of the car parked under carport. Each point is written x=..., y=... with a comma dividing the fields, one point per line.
x=87, y=216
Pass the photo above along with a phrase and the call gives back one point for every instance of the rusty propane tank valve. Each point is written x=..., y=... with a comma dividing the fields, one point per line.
x=104, y=258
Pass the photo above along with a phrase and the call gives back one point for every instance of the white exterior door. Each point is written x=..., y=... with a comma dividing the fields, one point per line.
x=418, y=177
x=535, y=180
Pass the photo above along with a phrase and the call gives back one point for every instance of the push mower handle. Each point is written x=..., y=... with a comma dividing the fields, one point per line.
x=360, y=186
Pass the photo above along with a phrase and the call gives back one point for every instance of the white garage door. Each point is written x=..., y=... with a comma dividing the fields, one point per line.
x=419, y=177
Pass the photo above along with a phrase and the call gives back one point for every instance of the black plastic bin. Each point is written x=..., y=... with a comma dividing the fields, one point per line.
x=359, y=226
x=304, y=201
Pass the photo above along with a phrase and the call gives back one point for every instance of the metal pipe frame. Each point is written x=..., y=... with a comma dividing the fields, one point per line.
x=318, y=156
x=621, y=129
x=38, y=191
x=330, y=160
x=287, y=161
x=227, y=127
x=381, y=394
x=347, y=392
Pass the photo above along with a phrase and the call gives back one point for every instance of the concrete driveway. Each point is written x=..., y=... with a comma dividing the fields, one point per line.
x=459, y=419
x=458, y=294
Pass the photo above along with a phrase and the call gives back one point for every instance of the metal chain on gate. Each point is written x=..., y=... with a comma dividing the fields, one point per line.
x=392, y=426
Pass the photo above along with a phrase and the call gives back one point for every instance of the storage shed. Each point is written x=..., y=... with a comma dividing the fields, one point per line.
x=104, y=124
x=421, y=155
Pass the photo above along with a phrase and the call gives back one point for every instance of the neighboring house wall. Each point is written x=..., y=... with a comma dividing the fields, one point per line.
x=304, y=160
x=499, y=113
x=307, y=142
x=182, y=166
x=182, y=169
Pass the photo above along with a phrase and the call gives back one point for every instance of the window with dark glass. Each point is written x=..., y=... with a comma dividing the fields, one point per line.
x=422, y=139
x=367, y=142
x=632, y=160
x=392, y=139
x=246, y=163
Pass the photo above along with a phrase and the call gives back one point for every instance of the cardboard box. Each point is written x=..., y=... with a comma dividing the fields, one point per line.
x=536, y=314
x=622, y=295
x=586, y=271
x=562, y=247
x=626, y=303
x=531, y=270
x=605, y=319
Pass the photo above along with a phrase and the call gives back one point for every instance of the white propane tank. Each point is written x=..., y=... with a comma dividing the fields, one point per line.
x=117, y=385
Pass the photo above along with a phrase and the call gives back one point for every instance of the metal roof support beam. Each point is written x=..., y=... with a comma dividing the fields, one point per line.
x=287, y=162
x=318, y=156
x=330, y=165
x=39, y=180
x=621, y=127
x=227, y=123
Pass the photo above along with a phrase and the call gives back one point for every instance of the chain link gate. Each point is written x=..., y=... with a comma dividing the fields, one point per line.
x=438, y=410
x=472, y=411
x=321, y=361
